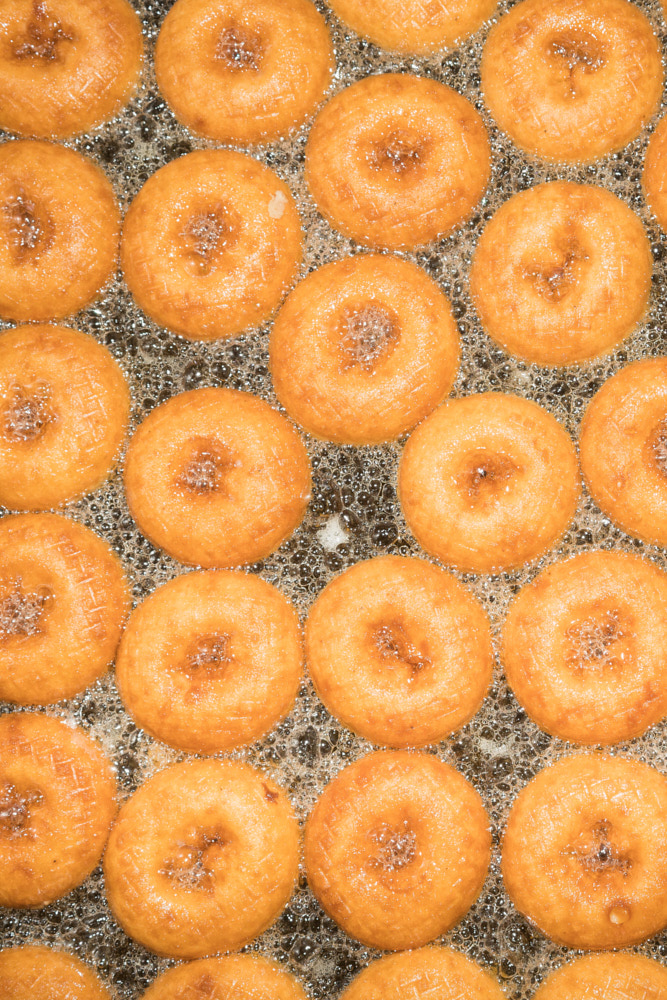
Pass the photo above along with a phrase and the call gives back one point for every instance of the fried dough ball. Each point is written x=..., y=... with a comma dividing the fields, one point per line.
x=397, y=160
x=562, y=273
x=244, y=71
x=35, y=973
x=209, y=872
x=423, y=975
x=64, y=408
x=66, y=66
x=57, y=802
x=606, y=977
x=243, y=977
x=655, y=173
x=217, y=478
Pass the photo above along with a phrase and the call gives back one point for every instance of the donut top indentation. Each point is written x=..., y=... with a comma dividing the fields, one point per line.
x=395, y=847
x=193, y=867
x=485, y=477
x=30, y=228
x=579, y=53
x=43, y=38
x=206, y=236
x=393, y=645
x=27, y=414
x=240, y=49
x=598, y=854
x=556, y=279
x=369, y=333
x=658, y=448
x=601, y=640
x=16, y=810
x=208, y=655
x=204, y=469
x=399, y=153
x=21, y=613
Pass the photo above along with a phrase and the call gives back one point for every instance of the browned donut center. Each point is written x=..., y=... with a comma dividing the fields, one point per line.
x=579, y=52
x=486, y=477
x=193, y=867
x=204, y=470
x=239, y=48
x=555, y=279
x=43, y=37
x=597, y=855
x=21, y=613
x=398, y=153
x=206, y=235
x=30, y=228
x=394, y=647
x=16, y=810
x=27, y=415
x=208, y=654
x=395, y=847
x=368, y=334
x=657, y=444
x=602, y=639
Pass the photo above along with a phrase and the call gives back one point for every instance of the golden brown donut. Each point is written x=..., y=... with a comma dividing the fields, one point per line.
x=423, y=975
x=397, y=160
x=244, y=71
x=211, y=244
x=562, y=273
x=57, y=802
x=572, y=80
x=610, y=976
x=623, y=449
x=399, y=651
x=210, y=872
x=64, y=408
x=585, y=647
x=585, y=852
x=35, y=973
x=59, y=231
x=217, y=478
x=397, y=848
x=412, y=26
x=243, y=977
x=66, y=66
x=210, y=661
x=363, y=349
x=655, y=173
x=488, y=482
x=63, y=601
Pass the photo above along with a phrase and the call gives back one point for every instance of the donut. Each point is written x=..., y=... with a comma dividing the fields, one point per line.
x=57, y=802
x=210, y=661
x=585, y=647
x=572, y=80
x=606, y=977
x=45, y=974
x=363, y=349
x=399, y=651
x=63, y=601
x=211, y=244
x=585, y=852
x=488, y=482
x=210, y=872
x=623, y=449
x=59, y=231
x=216, y=477
x=244, y=72
x=397, y=160
x=423, y=975
x=562, y=273
x=413, y=27
x=66, y=66
x=655, y=173
x=244, y=977
x=397, y=849
x=64, y=409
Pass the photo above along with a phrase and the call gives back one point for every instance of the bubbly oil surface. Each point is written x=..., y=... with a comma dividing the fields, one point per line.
x=354, y=514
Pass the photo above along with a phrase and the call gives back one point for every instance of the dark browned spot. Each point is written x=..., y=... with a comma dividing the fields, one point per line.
x=240, y=49
x=368, y=335
x=15, y=810
x=43, y=37
x=21, y=613
x=554, y=280
x=603, y=639
x=657, y=445
x=597, y=854
x=486, y=477
x=204, y=470
x=206, y=235
x=579, y=53
x=208, y=654
x=395, y=847
x=399, y=153
x=191, y=868
x=27, y=415
x=31, y=230
x=269, y=794
x=393, y=645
